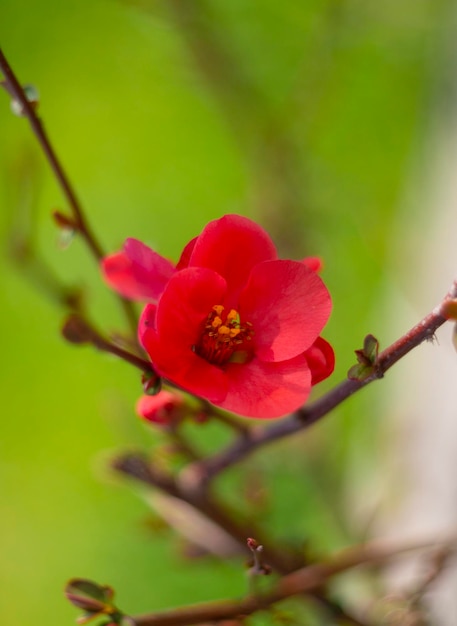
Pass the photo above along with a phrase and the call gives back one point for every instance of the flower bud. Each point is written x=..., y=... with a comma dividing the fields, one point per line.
x=161, y=409
x=76, y=330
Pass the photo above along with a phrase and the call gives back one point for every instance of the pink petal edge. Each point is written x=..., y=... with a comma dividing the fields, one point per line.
x=137, y=272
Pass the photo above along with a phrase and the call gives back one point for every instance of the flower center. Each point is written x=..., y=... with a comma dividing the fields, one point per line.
x=224, y=339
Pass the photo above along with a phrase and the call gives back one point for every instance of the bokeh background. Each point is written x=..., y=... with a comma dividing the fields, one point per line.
x=321, y=120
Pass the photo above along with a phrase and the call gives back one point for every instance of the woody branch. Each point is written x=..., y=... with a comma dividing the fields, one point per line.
x=255, y=438
x=304, y=580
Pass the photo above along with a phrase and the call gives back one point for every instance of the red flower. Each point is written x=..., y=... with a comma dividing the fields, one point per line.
x=230, y=323
x=161, y=409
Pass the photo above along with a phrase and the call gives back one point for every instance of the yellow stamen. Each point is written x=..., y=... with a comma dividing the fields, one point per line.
x=224, y=338
x=233, y=316
x=216, y=322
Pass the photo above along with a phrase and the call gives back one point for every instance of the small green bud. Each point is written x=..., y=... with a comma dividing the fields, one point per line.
x=31, y=94
x=366, y=360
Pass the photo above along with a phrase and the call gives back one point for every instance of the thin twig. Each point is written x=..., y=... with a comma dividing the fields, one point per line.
x=136, y=467
x=16, y=91
x=308, y=415
x=133, y=359
x=181, y=443
x=282, y=560
x=304, y=580
x=81, y=224
x=78, y=330
x=439, y=560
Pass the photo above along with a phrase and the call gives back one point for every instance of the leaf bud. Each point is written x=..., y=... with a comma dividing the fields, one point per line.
x=31, y=94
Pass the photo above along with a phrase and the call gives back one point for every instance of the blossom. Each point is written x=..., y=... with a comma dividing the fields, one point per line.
x=231, y=322
x=161, y=409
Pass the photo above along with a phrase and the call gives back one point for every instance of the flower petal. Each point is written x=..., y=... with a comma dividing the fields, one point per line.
x=147, y=322
x=186, y=369
x=267, y=390
x=232, y=246
x=187, y=301
x=288, y=306
x=186, y=254
x=183, y=307
x=321, y=360
x=137, y=272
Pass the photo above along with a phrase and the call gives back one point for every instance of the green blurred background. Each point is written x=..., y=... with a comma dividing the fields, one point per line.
x=313, y=118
